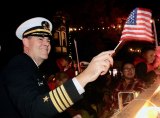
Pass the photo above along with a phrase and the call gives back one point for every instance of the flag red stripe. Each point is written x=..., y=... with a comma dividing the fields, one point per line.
x=142, y=25
x=144, y=9
x=139, y=38
x=137, y=33
x=144, y=14
x=138, y=28
x=128, y=38
x=144, y=38
x=144, y=20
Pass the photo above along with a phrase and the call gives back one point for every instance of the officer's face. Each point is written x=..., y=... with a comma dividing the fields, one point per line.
x=38, y=47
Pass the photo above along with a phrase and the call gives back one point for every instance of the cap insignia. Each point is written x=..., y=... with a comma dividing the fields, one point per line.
x=45, y=25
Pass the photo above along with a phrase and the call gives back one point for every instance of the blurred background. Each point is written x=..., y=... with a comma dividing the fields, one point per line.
x=95, y=25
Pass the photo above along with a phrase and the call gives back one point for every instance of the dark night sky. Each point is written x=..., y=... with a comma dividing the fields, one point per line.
x=80, y=11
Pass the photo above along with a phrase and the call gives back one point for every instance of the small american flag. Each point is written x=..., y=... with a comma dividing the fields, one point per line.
x=138, y=26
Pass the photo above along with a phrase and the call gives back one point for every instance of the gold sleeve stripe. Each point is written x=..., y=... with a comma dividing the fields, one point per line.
x=62, y=97
x=66, y=95
x=54, y=102
x=39, y=30
x=58, y=100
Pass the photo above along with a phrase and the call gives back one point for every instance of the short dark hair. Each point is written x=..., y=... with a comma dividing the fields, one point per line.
x=147, y=48
x=126, y=62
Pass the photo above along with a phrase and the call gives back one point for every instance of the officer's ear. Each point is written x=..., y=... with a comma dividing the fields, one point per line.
x=25, y=42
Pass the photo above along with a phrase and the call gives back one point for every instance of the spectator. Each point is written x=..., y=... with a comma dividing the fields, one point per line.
x=145, y=70
x=65, y=64
x=129, y=83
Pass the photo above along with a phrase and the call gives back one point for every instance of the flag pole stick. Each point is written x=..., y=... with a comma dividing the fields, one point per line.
x=75, y=44
x=155, y=33
x=119, y=45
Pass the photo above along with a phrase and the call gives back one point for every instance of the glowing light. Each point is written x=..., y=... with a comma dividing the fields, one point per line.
x=138, y=50
x=115, y=72
x=149, y=112
x=131, y=49
x=134, y=50
x=70, y=29
x=136, y=94
x=119, y=26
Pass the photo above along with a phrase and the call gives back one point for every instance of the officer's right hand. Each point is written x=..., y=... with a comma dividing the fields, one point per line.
x=99, y=65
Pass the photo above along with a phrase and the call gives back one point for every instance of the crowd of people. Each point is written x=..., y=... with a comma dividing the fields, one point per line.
x=92, y=93
x=132, y=78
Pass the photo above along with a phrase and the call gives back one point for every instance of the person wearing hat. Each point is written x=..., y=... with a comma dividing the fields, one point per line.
x=27, y=93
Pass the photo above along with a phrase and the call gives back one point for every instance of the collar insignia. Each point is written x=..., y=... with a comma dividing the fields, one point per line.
x=45, y=99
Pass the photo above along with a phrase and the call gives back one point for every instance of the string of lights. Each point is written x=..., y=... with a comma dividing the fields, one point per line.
x=74, y=29
x=112, y=26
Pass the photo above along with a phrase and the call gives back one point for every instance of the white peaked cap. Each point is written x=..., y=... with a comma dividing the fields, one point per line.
x=31, y=23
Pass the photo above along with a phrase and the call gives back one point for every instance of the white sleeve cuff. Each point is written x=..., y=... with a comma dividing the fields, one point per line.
x=79, y=88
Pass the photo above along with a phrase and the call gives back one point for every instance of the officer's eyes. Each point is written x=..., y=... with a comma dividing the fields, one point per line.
x=42, y=38
x=48, y=40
